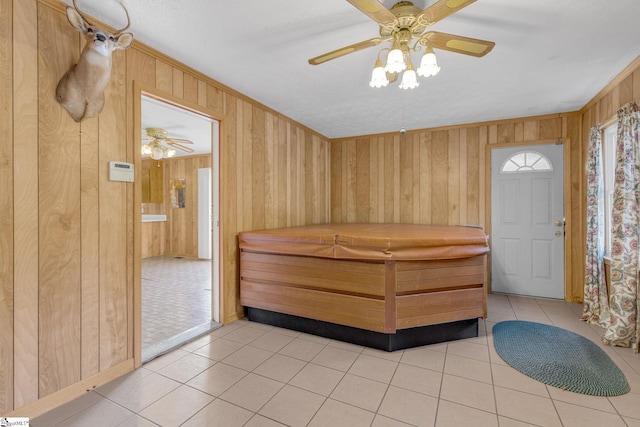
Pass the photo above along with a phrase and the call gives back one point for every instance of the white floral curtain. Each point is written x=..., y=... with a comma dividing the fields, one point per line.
x=623, y=329
x=596, y=301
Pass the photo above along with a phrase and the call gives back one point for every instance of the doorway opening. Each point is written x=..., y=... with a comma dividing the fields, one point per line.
x=179, y=267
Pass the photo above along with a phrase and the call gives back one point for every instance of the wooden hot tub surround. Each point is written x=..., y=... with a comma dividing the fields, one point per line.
x=385, y=281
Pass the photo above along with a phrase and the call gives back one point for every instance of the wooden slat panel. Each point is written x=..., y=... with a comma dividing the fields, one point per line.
x=439, y=166
x=7, y=203
x=190, y=88
x=114, y=329
x=346, y=310
x=425, y=178
x=363, y=273
x=164, y=76
x=363, y=183
x=178, y=82
x=140, y=67
x=453, y=179
x=473, y=177
x=409, y=266
x=406, y=181
x=25, y=198
x=90, y=241
x=439, y=307
x=434, y=275
x=257, y=184
x=317, y=277
x=229, y=152
x=215, y=100
x=59, y=211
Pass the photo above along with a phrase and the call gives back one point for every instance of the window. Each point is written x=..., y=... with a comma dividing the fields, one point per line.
x=526, y=161
x=609, y=142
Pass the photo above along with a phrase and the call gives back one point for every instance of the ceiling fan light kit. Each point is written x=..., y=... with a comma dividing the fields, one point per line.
x=402, y=24
x=157, y=150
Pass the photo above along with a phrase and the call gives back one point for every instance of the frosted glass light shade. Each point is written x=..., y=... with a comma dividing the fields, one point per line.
x=378, y=76
x=428, y=64
x=157, y=152
x=409, y=79
x=395, y=61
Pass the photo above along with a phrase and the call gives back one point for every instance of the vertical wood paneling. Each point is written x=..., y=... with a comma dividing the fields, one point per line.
x=425, y=178
x=90, y=240
x=113, y=219
x=463, y=193
x=473, y=176
x=190, y=88
x=336, y=183
x=164, y=76
x=270, y=159
x=73, y=244
x=6, y=212
x=406, y=179
x=246, y=166
x=230, y=217
x=439, y=176
x=389, y=175
x=215, y=100
x=258, y=184
x=282, y=148
x=363, y=182
x=177, y=230
x=178, y=82
x=202, y=93
x=439, y=166
x=59, y=212
x=25, y=198
x=453, y=179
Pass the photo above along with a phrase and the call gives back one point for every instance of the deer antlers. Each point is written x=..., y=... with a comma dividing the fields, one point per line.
x=81, y=90
x=88, y=22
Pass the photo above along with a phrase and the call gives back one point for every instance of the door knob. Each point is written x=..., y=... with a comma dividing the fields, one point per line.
x=558, y=223
x=558, y=233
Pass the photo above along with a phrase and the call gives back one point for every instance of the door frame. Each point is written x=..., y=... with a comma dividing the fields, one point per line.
x=567, y=203
x=140, y=90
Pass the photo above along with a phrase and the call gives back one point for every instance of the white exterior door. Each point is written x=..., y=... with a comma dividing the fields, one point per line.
x=527, y=220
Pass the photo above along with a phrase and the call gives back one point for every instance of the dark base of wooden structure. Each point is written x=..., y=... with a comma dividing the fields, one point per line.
x=403, y=338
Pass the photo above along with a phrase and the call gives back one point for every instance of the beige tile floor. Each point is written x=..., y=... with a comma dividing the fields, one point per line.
x=248, y=374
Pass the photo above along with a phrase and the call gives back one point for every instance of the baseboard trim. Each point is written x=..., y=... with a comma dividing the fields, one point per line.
x=67, y=394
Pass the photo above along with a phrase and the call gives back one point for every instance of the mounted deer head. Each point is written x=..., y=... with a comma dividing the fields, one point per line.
x=81, y=90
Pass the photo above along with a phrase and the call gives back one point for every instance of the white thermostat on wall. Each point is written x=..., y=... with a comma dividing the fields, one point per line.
x=120, y=171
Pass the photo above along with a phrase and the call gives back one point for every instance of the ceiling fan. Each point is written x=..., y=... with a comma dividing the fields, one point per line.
x=402, y=24
x=157, y=147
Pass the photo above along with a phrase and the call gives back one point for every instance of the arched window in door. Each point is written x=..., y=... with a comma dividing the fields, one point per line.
x=526, y=161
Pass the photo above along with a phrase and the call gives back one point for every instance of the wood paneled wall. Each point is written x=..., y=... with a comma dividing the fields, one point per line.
x=439, y=176
x=604, y=106
x=182, y=223
x=67, y=232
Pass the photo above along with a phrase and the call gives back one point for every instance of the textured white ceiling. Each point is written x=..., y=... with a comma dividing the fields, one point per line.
x=550, y=56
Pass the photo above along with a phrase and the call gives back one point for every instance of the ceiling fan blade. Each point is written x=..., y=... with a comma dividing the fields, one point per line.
x=458, y=44
x=180, y=140
x=179, y=146
x=374, y=10
x=345, y=51
x=443, y=8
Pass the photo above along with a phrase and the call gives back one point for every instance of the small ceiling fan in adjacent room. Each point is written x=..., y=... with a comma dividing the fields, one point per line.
x=401, y=25
x=160, y=146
